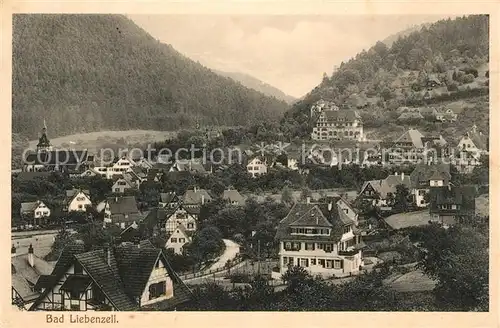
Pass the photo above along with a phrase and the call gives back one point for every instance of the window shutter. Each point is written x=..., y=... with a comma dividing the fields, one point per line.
x=341, y=264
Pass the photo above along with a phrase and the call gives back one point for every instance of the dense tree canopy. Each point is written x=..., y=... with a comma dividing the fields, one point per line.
x=85, y=73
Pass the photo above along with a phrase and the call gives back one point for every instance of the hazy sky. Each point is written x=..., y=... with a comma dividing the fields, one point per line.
x=288, y=52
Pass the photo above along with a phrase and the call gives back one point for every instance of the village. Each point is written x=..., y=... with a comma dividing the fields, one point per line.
x=105, y=237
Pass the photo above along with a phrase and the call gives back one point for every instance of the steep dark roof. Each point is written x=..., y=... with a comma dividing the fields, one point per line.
x=107, y=278
x=423, y=173
x=135, y=266
x=464, y=196
x=314, y=215
x=76, y=283
x=192, y=197
x=73, y=192
x=63, y=263
x=123, y=205
x=61, y=157
x=346, y=115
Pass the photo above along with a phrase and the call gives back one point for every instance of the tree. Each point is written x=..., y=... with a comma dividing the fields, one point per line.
x=295, y=277
x=458, y=258
x=401, y=199
x=286, y=195
x=206, y=244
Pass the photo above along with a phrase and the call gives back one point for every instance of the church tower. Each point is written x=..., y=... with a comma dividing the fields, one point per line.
x=43, y=142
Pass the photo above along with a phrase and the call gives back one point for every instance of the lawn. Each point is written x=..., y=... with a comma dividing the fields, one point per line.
x=411, y=219
x=96, y=140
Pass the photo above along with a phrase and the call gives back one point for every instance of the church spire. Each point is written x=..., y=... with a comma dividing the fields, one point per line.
x=43, y=142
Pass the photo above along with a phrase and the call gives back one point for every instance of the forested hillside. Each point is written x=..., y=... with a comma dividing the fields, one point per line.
x=84, y=73
x=382, y=79
x=256, y=84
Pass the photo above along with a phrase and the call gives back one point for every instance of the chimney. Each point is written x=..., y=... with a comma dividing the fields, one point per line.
x=31, y=256
x=308, y=200
x=202, y=199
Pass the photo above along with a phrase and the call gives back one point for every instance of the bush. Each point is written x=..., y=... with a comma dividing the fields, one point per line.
x=469, y=78
x=239, y=278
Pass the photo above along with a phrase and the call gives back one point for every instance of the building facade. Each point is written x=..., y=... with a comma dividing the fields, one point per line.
x=339, y=124
x=321, y=238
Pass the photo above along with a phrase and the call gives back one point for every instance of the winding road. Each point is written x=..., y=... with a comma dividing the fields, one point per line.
x=232, y=249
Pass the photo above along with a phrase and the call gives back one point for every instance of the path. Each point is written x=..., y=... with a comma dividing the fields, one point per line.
x=232, y=249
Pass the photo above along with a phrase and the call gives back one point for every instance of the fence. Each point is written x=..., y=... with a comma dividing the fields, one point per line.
x=209, y=272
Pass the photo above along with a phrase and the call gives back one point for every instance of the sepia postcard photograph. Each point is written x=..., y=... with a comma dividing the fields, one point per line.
x=185, y=162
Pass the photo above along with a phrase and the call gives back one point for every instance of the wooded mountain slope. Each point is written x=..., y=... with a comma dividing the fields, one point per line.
x=256, y=84
x=84, y=73
x=380, y=80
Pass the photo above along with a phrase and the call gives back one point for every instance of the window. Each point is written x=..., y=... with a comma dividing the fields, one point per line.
x=117, y=189
x=190, y=225
x=337, y=264
x=321, y=262
x=304, y=263
x=313, y=261
x=75, y=307
x=78, y=269
x=310, y=247
x=173, y=240
x=329, y=264
x=157, y=290
x=182, y=240
x=320, y=246
x=80, y=206
x=328, y=247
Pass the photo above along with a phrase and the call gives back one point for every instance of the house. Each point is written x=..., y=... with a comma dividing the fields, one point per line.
x=424, y=177
x=432, y=82
x=452, y=204
x=139, y=173
x=414, y=147
x=190, y=165
x=91, y=172
x=169, y=199
x=447, y=115
x=187, y=216
x=233, y=197
x=144, y=164
x=381, y=193
x=25, y=271
x=127, y=181
x=35, y=213
x=257, y=166
x=321, y=238
x=121, y=211
x=119, y=167
x=470, y=149
x=337, y=125
x=77, y=200
x=178, y=239
x=322, y=105
x=196, y=197
x=117, y=278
